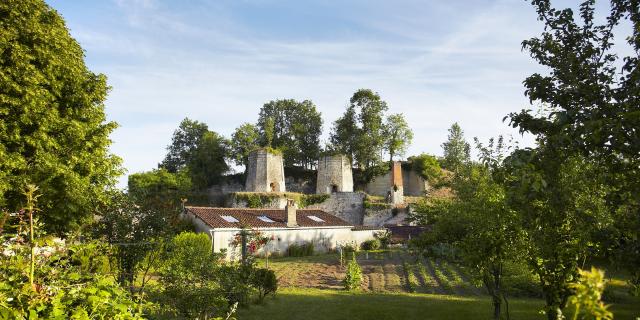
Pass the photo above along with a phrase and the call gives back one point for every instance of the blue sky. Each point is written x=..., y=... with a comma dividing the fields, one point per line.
x=437, y=62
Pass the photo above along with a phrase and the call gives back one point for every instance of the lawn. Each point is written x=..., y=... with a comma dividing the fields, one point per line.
x=310, y=288
x=310, y=304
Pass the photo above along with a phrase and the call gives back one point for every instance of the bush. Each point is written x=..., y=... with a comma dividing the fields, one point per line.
x=373, y=244
x=349, y=248
x=384, y=237
x=190, y=277
x=300, y=250
x=265, y=281
x=354, y=274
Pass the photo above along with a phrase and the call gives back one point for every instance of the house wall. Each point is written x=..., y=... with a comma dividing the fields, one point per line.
x=324, y=239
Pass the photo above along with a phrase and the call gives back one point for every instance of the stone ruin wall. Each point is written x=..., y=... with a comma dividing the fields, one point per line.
x=346, y=205
x=412, y=184
x=265, y=172
x=334, y=171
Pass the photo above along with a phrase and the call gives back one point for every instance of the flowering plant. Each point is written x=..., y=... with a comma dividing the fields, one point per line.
x=46, y=277
x=255, y=240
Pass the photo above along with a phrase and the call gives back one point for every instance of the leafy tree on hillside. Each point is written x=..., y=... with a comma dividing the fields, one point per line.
x=159, y=188
x=244, y=139
x=297, y=127
x=185, y=139
x=360, y=132
x=456, y=149
x=427, y=166
x=398, y=135
x=207, y=161
x=53, y=131
x=588, y=141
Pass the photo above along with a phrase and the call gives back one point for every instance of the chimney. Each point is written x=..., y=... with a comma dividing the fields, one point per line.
x=290, y=209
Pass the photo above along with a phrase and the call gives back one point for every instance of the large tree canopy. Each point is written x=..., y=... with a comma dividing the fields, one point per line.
x=360, y=132
x=53, y=131
x=185, y=139
x=586, y=165
x=293, y=127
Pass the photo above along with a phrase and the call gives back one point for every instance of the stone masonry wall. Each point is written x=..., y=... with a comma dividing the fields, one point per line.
x=265, y=172
x=334, y=171
x=346, y=205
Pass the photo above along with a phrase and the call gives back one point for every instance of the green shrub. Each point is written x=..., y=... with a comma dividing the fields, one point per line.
x=265, y=281
x=353, y=278
x=189, y=276
x=349, y=248
x=300, y=250
x=384, y=237
x=373, y=244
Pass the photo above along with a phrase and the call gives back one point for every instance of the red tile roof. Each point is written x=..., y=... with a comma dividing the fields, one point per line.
x=248, y=218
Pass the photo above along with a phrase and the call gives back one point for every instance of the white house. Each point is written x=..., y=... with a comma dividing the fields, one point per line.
x=286, y=226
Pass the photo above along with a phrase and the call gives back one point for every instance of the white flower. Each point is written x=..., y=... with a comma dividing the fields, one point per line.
x=58, y=241
x=8, y=253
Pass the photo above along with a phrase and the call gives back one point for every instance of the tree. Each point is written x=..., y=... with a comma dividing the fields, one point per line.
x=398, y=135
x=244, y=140
x=427, y=167
x=185, y=139
x=591, y=99
x=562, y=203
x=294, y=127
x=478, y=223
x=159, y=188
x=456, y=149
x=360, y=131
x=207, y=161
x=53, y=131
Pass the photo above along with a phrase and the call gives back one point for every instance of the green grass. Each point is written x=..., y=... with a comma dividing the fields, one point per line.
x=311, y=304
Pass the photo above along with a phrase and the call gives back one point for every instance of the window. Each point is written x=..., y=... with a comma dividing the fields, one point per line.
x=316, y=219
x=265, y=219
x=229, y=219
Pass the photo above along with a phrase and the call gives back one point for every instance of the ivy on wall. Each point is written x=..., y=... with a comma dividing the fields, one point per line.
x=264, y=199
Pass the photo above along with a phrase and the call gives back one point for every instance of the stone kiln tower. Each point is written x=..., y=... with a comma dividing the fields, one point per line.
x=265, y=172
x=334, y=175
x=397, y=186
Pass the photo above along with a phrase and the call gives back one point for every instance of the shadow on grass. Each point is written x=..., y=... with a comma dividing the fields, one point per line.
x=313, y=304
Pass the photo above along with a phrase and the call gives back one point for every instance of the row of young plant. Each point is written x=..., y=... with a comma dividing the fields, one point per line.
x=94, y=276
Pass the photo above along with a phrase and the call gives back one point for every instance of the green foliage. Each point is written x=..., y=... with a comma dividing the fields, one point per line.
x=53, y=131
x=293, y=127
x=185, y=139
x=43, y=277
x=190, y=277
x=359, y=133
x=587, y=296
x=264, y=199
x=373, y=244
x=244, y=139
x=384, y=237
x=137, y=235
x=456, y=150
x=207, y=160
x=265, y=281
x=398, y=135
x=478, y=224
x=353, y=278
x=161, y=190
x=300, y=250
x=427, y=167
x=559, y=201
x=409, y=276
x=590, y=99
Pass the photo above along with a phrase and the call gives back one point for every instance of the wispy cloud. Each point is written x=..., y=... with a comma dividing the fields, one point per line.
x=218, y=62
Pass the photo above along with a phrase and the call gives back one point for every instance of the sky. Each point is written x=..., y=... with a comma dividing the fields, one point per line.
x=437, y=62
